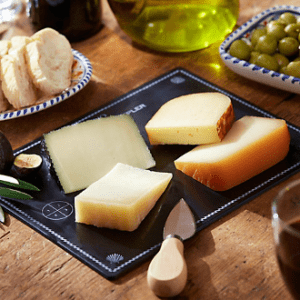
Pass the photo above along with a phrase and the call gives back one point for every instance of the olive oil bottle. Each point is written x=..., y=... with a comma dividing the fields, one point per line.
x=176, y=25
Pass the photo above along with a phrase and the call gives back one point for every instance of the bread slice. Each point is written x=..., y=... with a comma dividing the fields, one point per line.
x=16, y=83
x=201, y=118
x=49, y=57
x=4, y=48
x=4, y=105
x=252, y=145
x=18, y=42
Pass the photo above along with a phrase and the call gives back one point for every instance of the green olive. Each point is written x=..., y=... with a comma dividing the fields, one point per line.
x=267, y=61
x=253, y=57
x=288, y=46
x=240, y=49
x=283, y=70
x=292, y=30
x=281, y=60
x=293, y=69
x=287, y=18
x=256, y=34
x=276, y=30
x=266, y=44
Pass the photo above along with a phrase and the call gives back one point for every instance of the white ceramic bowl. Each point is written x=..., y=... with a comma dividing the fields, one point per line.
x=254, y=72
x=81, y=75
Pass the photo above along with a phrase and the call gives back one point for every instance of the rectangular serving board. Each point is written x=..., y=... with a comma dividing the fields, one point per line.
x=112, y=253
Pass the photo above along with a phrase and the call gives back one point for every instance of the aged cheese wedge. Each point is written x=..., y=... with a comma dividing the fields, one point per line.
x=122, y=198
x=83, y=153
x=253, y=145
x=194, y=119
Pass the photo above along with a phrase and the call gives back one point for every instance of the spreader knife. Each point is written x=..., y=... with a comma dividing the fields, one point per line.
x=167, y=272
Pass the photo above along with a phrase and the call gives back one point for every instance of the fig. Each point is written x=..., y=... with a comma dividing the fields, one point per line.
x=6, y=154
x=25, y=165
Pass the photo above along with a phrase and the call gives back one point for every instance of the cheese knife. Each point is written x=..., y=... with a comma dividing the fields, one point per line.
x=167, y=272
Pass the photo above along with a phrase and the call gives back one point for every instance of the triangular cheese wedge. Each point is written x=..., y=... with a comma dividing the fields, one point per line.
x=122, y=198
x=194, y=119
x=83, y=153
x=253, y=145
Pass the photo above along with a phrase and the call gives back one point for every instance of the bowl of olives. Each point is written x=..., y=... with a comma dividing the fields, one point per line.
x=267, y=48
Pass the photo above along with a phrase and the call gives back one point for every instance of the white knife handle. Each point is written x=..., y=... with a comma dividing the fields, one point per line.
x=167, y=272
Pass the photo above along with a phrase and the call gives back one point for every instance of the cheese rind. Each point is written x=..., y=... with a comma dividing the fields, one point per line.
x=194, y=119
x=83, y=153
x=253, y=145
x=122, y=198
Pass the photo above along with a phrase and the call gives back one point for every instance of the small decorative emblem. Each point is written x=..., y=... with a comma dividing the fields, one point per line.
x=57, y=210
x=177, y=80
x=114, y=258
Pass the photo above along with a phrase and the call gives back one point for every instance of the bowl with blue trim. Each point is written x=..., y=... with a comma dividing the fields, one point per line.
x=252, y=71
x=81, y=75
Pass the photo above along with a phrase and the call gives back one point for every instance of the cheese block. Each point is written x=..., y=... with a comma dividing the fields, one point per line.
x=122, y=198
x=253, y=145
x=83, y=153
x=194, y=119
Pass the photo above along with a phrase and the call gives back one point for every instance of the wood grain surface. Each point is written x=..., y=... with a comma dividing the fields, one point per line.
x=231, y=259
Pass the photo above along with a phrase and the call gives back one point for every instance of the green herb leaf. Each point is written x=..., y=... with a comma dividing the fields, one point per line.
x=17, y=183
x=28, y=186
x=13, y=194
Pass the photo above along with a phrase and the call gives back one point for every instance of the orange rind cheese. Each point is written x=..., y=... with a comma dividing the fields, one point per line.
x=252, y=145
x=122, y=198
x=193, y=119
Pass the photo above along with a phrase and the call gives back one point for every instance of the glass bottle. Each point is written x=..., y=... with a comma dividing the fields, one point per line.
x=176, y=25
x=76, y=19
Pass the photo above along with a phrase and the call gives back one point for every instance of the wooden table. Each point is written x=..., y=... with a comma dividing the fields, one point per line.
x=231, y=259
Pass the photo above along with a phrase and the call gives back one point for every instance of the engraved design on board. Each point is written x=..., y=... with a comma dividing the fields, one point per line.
x=114, y=258
x=57, y=210
x=177, y=79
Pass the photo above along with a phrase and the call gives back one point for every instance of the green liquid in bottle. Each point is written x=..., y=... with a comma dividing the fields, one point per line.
x=176, y=27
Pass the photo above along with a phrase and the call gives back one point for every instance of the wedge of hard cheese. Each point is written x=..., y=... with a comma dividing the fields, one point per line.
x=83, y=153
x=253, y=145
x=194, y=119
x=122, y=198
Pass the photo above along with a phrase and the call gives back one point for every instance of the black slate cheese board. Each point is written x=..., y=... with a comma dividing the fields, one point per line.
x=112, y=253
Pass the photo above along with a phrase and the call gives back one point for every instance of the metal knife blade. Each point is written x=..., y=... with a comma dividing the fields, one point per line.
x=180, y=222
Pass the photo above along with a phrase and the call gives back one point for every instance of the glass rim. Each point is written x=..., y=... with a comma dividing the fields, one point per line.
x=276, y=216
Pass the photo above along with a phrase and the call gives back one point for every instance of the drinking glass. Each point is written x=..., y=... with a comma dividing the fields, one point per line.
x=9, y=9
x=286, y=228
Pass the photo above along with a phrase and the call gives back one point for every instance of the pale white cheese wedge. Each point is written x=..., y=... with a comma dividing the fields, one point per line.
x=122, y=198
x=83, y=153
x=194, y=119
x=252, y=145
